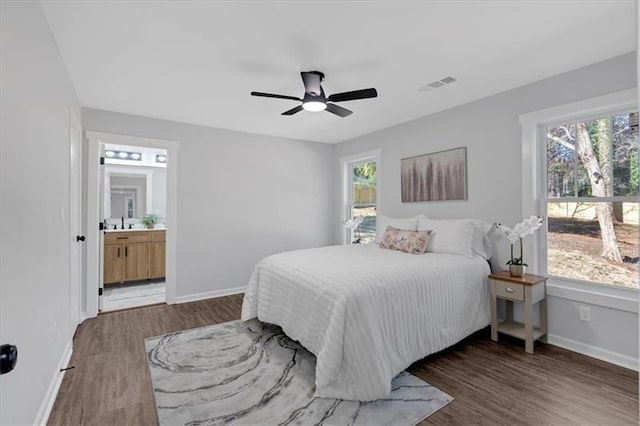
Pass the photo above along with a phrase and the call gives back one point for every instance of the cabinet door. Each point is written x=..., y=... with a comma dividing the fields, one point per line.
x=136, y=261
x=113, y=263
x=158, y=256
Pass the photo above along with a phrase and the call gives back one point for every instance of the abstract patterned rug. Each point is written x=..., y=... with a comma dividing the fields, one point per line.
x=226, y=374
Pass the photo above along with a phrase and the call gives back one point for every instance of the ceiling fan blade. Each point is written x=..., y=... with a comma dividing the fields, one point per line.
x=353, y=95
x=271, y=95
x=338, y=110
x=311, y=82
x=293, y=110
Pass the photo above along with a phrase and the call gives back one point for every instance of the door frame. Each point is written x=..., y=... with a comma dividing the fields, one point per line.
x=346, y=186
x=94, y=140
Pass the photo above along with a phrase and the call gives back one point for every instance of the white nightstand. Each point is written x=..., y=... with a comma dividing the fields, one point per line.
x=529, y=290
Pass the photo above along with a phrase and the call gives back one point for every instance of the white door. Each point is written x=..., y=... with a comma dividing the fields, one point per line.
x=77, y=238
x=101, y=197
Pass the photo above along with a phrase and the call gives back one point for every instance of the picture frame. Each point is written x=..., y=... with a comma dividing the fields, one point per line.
x=437, y=176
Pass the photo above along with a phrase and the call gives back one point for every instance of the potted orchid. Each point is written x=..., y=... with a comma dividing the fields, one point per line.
x=353, y=224
x=517, y=266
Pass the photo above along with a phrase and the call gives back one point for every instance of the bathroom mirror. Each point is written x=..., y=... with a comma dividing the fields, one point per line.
x=128, y=196
x=131, y=192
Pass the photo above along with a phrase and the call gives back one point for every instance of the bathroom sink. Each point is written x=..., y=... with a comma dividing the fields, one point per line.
x=136, y=229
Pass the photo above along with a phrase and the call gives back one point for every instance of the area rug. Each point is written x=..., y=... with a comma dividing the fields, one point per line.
x=227, y=374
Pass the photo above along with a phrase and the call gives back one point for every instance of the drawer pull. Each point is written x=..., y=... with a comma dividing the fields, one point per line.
x=509, y=290
x=122, y=238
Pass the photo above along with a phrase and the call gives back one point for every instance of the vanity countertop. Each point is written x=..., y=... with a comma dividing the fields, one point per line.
x=136, y=229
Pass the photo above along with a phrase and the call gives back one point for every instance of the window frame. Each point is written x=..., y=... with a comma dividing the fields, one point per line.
x=534, y=189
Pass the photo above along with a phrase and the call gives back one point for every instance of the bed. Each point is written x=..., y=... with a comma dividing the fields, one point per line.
x=368, y=313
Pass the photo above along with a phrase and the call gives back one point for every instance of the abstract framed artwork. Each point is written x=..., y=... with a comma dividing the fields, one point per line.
x=439, y=176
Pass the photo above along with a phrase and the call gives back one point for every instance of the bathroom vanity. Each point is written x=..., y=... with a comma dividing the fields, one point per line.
x=133, y=255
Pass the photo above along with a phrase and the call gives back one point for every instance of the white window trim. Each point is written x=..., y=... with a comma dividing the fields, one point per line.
x=533, y=125
x=346, y=187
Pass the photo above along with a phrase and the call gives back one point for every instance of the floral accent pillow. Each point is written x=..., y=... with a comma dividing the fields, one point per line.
x=413, y=242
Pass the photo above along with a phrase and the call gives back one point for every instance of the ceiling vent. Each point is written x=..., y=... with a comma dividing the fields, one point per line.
x=438, y=83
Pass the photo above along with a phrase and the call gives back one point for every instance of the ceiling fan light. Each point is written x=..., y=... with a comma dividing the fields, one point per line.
x=314, y=106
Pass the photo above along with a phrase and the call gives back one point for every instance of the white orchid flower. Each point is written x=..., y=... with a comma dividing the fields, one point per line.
x=353, y=223
x=511, y=235
x=527, y=226
x=521, y=230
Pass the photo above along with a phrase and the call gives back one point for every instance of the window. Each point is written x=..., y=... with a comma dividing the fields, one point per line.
x=364, y=201
x=590, y=198
x=360, y=196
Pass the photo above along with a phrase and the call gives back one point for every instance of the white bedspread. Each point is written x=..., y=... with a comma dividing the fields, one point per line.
x=368, y=313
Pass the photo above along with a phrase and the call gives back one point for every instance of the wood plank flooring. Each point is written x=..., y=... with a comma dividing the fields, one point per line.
x=492, y=383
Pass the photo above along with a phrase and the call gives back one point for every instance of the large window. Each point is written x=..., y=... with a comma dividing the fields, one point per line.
x=591, y=199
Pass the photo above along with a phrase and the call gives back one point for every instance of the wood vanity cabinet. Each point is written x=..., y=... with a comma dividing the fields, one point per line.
x=158, y=254
x=133, y=255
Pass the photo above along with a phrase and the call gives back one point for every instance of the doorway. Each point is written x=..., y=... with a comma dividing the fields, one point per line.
x=131, y=201
x=133, y=259
x=360, y=196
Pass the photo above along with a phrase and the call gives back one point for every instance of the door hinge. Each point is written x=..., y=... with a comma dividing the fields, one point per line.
x=101, y=226
x=101, y=161
x=100, y=291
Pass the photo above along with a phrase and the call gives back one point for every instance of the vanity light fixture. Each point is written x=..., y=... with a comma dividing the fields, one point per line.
x=123, y=155
x=161, y=158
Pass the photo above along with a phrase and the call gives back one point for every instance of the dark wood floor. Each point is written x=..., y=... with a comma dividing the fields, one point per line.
x=492, y=383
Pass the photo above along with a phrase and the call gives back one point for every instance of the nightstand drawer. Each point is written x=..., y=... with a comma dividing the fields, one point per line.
x=512, y=291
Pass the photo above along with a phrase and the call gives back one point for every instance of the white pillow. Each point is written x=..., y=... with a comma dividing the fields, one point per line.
x=452, y=236
x=481, y=243
x=383, y=221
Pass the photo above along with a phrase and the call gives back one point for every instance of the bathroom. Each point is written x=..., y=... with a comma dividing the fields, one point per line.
x=134, y=222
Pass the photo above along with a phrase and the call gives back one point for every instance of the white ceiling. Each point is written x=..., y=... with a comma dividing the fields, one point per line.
x=197, y=62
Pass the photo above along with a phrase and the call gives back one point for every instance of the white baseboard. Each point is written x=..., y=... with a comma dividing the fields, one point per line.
x=54, y=386
x=210, y=294
x=593, y=351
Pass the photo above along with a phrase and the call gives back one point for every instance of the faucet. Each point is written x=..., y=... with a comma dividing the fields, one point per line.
x=122, y=222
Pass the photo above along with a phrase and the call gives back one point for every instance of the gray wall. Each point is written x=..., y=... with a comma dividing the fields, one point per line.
x=240, y=197
x=490, y=130
x=34, y=273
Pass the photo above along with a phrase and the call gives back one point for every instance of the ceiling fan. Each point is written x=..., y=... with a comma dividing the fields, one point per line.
x=315, y=100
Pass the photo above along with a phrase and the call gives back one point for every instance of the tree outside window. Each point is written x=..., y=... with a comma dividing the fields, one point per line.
x=592, y=200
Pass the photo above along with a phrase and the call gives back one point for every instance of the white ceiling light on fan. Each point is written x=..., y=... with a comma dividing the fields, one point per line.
x=314, y=99
x=314, y=106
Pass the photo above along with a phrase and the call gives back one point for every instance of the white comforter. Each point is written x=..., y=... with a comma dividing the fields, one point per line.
x=368, y=313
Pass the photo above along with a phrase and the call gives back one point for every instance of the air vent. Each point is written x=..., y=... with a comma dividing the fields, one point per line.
x=437, y=84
